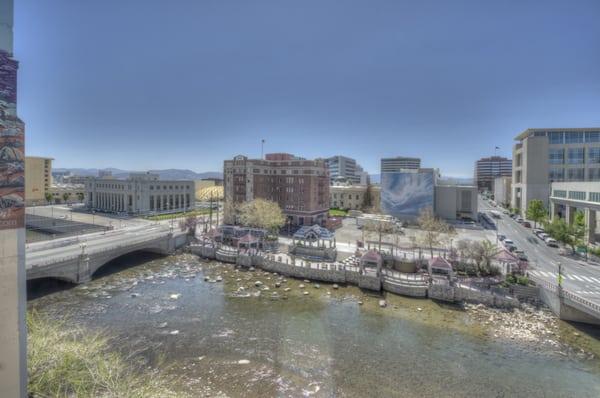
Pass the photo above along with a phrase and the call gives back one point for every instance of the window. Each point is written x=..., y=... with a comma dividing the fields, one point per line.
x=559, y=193
x=555, y=137
x=575, y=174
x=595, y=197
x=593, y=174
x=593, y=155
x=592, y=136
x=556, y=175
x=574, y=138
x=556, y=156
x=577, y=195
x=575, y=155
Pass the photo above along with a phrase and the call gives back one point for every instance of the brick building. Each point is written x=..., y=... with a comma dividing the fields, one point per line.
x=299, y=186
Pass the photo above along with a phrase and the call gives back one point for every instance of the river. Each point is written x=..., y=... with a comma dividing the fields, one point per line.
x=233, y=338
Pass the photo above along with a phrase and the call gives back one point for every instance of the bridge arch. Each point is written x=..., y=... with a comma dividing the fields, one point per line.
x=98, y=263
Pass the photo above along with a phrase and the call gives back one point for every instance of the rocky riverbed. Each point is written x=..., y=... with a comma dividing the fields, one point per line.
x=234, y=332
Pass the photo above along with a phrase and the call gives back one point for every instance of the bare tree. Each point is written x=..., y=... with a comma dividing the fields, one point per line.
x=432, y=230
x=190, y=224
x=230, y=212
x=261, y=213
x=482, y=253
x=379, y=229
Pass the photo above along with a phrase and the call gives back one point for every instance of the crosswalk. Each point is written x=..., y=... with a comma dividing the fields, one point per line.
x=578, y=278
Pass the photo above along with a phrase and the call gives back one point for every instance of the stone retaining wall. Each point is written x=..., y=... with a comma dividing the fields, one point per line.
x=337, y=275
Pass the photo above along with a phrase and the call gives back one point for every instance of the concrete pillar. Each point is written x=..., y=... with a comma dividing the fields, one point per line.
x=590, y=225
x=570, y=214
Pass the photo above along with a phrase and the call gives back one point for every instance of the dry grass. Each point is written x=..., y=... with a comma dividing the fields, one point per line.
x=67, y=362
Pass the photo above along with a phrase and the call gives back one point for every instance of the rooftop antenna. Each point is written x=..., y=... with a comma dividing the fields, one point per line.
x=496, y=151
x=262, y=148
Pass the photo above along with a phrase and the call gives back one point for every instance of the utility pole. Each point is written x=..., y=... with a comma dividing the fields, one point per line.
x=210, y=213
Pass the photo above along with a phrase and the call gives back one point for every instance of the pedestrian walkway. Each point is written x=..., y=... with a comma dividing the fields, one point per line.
x=554, y=275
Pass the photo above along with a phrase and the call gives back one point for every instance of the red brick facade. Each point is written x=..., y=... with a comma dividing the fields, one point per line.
x=300, y=187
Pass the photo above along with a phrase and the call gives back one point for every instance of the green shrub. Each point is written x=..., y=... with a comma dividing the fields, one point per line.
x=523, y=280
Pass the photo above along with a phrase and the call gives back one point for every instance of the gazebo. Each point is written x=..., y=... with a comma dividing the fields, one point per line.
x=509, y=263
x=314, y=235
x=371, y=260
x=439, y=265
x=314, y=242
x=248, y=241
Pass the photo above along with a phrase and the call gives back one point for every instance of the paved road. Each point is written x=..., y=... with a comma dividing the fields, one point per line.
x=40, y=253
x=579, y=277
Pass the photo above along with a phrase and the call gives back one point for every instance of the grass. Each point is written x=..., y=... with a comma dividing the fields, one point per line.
x=198, y=212
x=338, y=212
x=73, y=362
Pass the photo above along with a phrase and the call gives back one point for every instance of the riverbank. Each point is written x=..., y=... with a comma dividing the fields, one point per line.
x=264, y=340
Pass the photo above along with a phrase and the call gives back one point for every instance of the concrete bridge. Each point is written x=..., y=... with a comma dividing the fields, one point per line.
x=77, y=259
x=567, y=305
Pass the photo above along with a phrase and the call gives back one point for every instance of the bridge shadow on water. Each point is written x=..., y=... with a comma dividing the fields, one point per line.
x=124, y=262
x=41, y=287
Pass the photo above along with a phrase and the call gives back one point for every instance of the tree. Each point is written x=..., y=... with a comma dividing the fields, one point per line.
x=578, y=230
x=230, y=212
x=80, y=196
x=66, y=196
x=482, y=253
x=432, y=229
x=536, y=211
x=48, y=197
x=190, y=224
x=561, y=231
x=380, y=228
x=261, y=213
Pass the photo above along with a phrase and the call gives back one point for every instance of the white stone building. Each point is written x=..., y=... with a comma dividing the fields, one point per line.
x=347, y=197
x=141, y=193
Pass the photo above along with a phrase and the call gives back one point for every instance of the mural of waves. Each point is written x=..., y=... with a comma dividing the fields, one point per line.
x=404, y=194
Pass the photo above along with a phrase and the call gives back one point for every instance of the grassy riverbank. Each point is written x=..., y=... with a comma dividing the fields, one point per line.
x=75, y=362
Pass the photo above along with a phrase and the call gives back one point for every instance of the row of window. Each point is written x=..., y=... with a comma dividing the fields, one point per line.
x=342, y=196
x=570, y=137
x=574, y=174
x=573, y=155
x=576, y=195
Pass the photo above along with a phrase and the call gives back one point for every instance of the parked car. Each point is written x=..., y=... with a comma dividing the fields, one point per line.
x=551, y=242
x=526, y=224
x=511, y=248
x=543, y=236
x=508, y=242
x=519, y=219
x=537, y=231
x=501, y=238
x=521, y=255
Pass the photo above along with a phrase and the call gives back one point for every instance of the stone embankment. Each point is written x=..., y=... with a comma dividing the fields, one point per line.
x=342, y=273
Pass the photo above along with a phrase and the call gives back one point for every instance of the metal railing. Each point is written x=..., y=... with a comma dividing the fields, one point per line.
x=566, y=294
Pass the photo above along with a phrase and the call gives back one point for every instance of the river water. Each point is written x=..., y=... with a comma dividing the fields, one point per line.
x=225, y=341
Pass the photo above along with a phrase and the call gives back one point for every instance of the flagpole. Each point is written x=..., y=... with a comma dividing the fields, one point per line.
x=262, y=148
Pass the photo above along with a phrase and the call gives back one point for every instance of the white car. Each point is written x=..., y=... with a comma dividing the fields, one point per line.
x=551, y=242
x=508, y=242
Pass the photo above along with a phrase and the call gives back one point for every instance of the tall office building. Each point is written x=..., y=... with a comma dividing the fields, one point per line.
x=399, y=163
x=343, y=169
x=13, y=370
x=299, y=186
x=487, y=169
x=542, y=156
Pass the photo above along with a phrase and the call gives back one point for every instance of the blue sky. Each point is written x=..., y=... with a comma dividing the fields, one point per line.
x=185, y=84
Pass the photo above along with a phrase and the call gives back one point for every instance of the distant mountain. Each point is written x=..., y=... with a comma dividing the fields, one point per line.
x=167, y=174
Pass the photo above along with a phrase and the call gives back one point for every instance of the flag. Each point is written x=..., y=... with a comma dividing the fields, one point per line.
x=497, y=147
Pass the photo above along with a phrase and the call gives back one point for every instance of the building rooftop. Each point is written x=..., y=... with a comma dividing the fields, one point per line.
x=530, y=131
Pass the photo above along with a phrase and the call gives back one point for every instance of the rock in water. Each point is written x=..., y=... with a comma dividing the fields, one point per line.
x=382, y=303
x=335, y=286
x=243, y=362
x=175, y=296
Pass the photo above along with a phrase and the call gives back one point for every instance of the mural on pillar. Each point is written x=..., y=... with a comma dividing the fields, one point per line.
x=12, y=143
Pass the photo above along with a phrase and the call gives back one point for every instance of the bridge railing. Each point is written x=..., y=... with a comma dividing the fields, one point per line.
x=53, y=260
x=566, y=293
